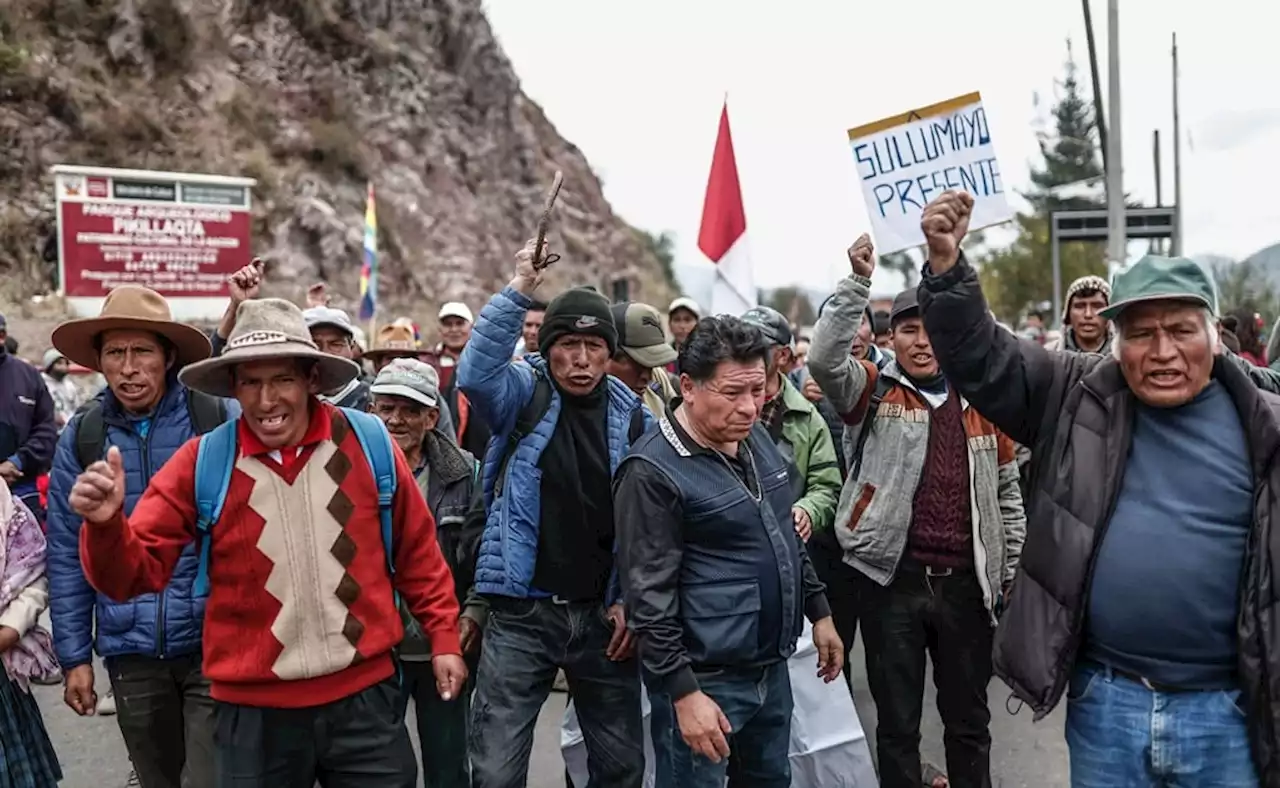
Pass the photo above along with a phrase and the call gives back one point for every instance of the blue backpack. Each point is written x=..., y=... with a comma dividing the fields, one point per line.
x=216, y=457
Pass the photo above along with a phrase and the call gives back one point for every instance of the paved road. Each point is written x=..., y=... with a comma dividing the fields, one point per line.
x=1024, y=755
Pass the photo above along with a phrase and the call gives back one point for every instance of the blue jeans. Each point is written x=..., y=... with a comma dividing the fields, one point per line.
x=758, y=705
x=525, y=643
x=1123, y=735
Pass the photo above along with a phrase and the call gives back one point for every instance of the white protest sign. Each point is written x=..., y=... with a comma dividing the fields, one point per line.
x=909, y=159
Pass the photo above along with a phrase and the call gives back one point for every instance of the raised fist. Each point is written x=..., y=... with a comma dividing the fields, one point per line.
x=945, y=222
x=318, y=295
x=245, y=283
x=862, y=256
x=98, y=493
x=527, y=277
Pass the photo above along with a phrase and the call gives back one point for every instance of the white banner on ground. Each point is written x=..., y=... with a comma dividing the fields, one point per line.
x=909, y=159
x=828, y=746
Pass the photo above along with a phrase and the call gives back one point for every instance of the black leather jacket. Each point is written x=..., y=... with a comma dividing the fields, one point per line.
x=1075, y=412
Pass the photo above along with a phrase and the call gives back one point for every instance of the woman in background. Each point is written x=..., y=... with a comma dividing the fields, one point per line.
x=27, y=759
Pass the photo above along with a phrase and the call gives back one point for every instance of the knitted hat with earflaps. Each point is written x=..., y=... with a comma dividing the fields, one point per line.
x=1085, y=284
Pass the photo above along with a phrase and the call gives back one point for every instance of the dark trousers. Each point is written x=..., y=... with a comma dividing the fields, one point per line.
x=844, y=586
x=442, y=726
x=758, y=706
x=357, y=742
x=525, y=643
x=166, y=717
x=945, y=619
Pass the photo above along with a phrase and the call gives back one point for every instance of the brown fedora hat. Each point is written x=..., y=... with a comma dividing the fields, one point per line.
x=129, y=307
x=266, y=328
x=393, y=340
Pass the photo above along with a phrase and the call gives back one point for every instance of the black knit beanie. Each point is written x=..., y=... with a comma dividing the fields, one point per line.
x=578, y=311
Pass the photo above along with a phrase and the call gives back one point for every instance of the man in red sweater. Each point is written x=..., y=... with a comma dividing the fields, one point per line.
x=301, y=618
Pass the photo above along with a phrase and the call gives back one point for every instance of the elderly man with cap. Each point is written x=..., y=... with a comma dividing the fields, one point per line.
x=406, y=396
x=28, y=426
x=561, y=427
x=309, y=525
x=1084, y=329
x=931, y=516
x=1146, y=591
x=642, y=354
x=150, y=641
x=455, y=324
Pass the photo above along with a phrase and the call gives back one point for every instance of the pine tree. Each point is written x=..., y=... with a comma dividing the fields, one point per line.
x=1070, y=155
x=1021, y=275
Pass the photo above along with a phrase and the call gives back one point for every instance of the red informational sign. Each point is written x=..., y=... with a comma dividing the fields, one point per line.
x=181, y=236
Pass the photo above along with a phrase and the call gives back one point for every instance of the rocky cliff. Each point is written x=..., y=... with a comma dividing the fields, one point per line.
x=314, y=98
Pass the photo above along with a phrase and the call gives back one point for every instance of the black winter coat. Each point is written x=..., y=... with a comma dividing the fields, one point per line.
x=1075, y=411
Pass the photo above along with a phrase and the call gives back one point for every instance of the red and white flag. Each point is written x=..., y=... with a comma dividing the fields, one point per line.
x=723, y=235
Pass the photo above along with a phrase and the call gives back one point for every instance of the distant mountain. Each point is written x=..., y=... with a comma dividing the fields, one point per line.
x=1268, y=261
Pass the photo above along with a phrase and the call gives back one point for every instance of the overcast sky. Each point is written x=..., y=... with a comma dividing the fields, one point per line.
x=638, y=87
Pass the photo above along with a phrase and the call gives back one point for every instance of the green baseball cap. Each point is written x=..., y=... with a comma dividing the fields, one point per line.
x=1159, y=278
x=640, y=334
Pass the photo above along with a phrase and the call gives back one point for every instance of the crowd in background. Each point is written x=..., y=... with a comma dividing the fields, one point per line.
x=278, y=534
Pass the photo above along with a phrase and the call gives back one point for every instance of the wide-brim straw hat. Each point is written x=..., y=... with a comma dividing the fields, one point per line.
x=266, y=329
x=393, y=340
x=129, y=307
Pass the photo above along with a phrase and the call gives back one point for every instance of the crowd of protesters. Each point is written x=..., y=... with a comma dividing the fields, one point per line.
x=278, y=535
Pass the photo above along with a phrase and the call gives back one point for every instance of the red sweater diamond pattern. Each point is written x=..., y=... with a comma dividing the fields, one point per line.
x=301, y=610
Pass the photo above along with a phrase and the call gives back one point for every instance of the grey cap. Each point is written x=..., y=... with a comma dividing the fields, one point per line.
x=3, y=325
x=905, y=304
x=318, y=316
x=771, y=322
x=411, y=379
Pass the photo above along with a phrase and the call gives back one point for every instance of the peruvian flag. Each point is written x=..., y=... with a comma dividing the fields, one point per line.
x=723, y=235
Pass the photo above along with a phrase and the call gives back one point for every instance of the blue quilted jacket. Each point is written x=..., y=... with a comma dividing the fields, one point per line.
x=157, y=625
x=498, y=388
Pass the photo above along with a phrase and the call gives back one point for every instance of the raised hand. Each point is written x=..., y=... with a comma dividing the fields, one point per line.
x=527, y=277
x=318, y=295
x=98, y=493
x=945, y=222
x=862, y=256
x=245, y=283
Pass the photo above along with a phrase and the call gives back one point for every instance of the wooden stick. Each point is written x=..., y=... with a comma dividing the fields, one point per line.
x=544, y=221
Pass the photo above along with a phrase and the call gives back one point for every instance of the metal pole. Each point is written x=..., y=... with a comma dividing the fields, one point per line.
x=1098, y=116
x=1157, y=244
x=1116, y=230
x=1175, y=248
x=1056, y=257
x=1155, y=151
